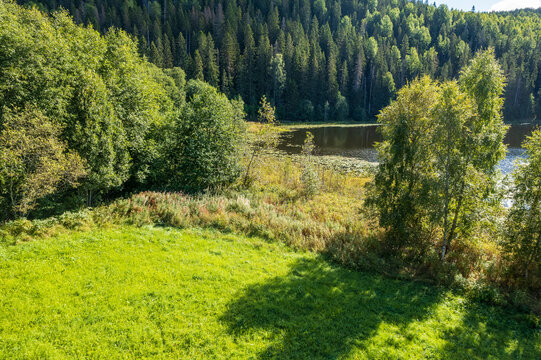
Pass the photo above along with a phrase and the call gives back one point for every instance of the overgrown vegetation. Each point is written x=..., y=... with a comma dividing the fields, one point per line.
x=274, y=207
x=127, y=120
x=524, y=221
x=437, y=180
x=333, y=222
x=207, y=141
x=264, y=138
x=441, y=146
x=33, y=161
x=136, y=127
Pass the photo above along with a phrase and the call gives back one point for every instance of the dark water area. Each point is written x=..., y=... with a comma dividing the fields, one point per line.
x=518, y=133
x=332, y=140
x=358, y=141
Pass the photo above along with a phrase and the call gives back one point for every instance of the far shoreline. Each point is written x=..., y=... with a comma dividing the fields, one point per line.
x=315, y=124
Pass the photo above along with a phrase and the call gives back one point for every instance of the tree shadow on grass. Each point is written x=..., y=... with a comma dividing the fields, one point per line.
x=323, y=311
x=492, y=332
x=320, y=311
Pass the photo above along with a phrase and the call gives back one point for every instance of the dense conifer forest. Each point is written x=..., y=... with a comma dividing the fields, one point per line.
x=325, y=59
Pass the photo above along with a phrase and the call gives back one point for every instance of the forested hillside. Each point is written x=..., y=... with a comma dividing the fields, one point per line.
x=323, y=59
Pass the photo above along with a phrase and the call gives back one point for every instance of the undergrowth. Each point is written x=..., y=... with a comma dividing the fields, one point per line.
x=276, y=207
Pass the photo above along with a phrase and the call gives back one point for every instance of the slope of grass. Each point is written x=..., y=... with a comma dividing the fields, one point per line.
x=127, y=293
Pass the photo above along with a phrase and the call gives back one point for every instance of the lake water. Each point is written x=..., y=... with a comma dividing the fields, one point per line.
x=358, y=142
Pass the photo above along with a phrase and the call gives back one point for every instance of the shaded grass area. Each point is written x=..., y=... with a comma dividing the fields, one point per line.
x=127, y=292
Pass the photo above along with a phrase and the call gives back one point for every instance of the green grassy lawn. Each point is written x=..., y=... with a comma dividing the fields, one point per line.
x=132, y=293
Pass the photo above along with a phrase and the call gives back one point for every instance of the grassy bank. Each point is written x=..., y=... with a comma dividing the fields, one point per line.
x=333, y=222
x=274, y=207
x=126, y=292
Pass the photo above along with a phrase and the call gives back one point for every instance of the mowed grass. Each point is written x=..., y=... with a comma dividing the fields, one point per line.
x=132, y=293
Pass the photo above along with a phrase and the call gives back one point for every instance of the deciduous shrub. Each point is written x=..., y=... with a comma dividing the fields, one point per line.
x=524, y=222
x=33, y=161
x=207, y=141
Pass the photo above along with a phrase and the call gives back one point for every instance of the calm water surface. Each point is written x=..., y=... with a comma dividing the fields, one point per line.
x=358, y=141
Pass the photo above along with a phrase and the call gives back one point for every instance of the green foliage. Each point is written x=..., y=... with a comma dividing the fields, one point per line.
x=110, y=104
x=524, y=222
x=404, y=179
x=197, y=72
x=137, y=292
x=279, y=77
x=305, y=111
x=472, y=158
x=97, y=134
x=206, y=141
x=33, y=161
x=309, y=176
x=308, y=146
x=99, y=102
x=142, y=96
x=264, y=138
x=342, y=109
x=176, y=93
x=484, y=82
x=441, y=146
x=454, y=115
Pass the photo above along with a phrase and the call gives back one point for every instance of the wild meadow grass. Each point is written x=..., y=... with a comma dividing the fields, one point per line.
x=129, y=292
x=275, y=206
x=266, y=271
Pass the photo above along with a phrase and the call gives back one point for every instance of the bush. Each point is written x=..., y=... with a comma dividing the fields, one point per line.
x=310, y=180
x=523, y=247
x=34, y=162
x=207, y=140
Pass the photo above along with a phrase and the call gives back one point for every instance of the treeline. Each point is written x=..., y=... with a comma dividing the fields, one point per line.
x=323, y=59
x=83, y=114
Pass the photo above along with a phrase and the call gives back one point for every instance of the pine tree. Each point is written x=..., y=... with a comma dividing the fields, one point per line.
x=155, y=56
x=198, y=67
x=210, y=62
x=248, y=66
x=228, y=58
x=278, y=78
x=306, y=32
x=332, y=84
x=167, y=54
x=263, y=56
x=181, y=53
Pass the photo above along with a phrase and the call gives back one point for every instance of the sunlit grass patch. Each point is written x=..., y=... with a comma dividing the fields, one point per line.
x=161, y=293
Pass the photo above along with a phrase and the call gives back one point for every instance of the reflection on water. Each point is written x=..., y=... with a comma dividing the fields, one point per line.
x=517, y=134
x=358, y=142
x=513, y=154
x=332, y=140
